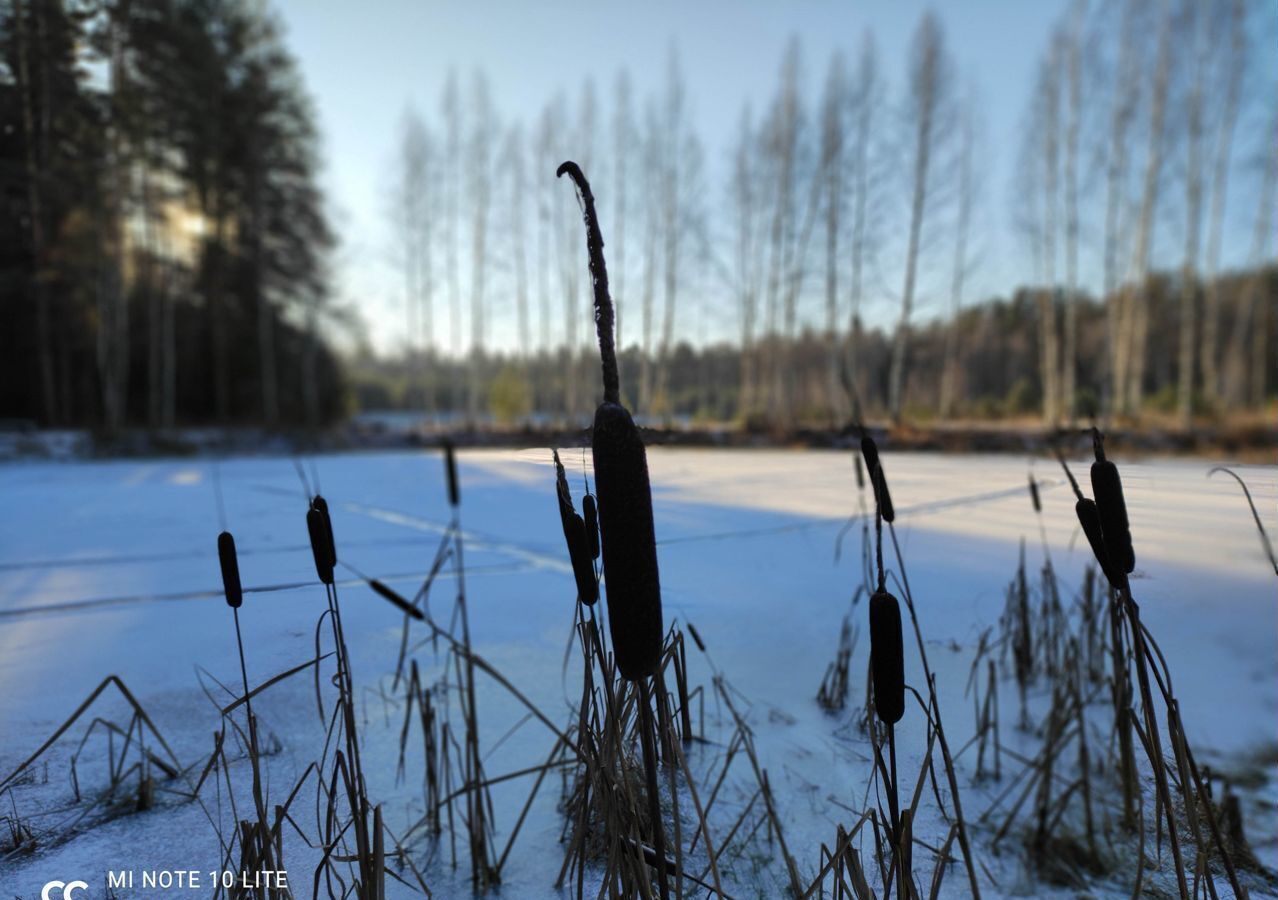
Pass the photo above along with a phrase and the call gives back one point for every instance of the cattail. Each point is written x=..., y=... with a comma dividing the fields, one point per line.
x=1089, y=519
x=1034, y=498
x=860, y=472
x=319, y=549
x=450, y=472
x=396, y=600
x=887, y=664
x=870, y=451
x=1108, y=489
x=575, y=537
x=692, y=629
x=329, y=545
x=592, y=524
x=230, y=570
x=629, y=541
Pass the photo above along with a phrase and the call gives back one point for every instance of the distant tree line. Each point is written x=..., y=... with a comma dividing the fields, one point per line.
x=162, y=236
x=982, y=365
x=867, y=196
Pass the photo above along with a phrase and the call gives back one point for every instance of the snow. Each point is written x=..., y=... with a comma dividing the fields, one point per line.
x=111, y=568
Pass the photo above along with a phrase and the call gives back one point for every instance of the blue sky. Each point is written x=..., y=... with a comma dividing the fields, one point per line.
x=364, y=62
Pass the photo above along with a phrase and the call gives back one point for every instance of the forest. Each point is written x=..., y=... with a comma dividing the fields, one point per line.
x=169, y=248
x=164, y=236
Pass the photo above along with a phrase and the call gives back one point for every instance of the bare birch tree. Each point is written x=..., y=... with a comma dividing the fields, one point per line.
x=450, y=106
x=928, y=78
x=780, y=137
x=413, y=216
x=1124, y=99
x=962, y=222
x=866, y=100
x=1252, y=317
x=745, y=202
x=1196, y=41
x=1232, y=63
x=623, y=128
x=1136, y=329
x=834, y=110
x=1072, y=39
x=479, y=189
x=513, y=163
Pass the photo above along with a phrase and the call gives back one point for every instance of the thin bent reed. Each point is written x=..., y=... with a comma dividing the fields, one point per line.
x=1260, y=526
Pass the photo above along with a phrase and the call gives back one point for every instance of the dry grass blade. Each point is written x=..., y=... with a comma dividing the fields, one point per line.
x=1260, y=526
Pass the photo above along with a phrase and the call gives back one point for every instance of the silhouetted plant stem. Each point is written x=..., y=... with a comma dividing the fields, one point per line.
x=650, y=773
x=950, y=775
x=604, y=314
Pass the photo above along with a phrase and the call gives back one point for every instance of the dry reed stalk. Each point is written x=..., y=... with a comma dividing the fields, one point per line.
x=760, y=774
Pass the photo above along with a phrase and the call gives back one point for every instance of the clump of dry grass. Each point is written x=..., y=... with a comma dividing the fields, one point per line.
x=134, y=753
x=833, y=693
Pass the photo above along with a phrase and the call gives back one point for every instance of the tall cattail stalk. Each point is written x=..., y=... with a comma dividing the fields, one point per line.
x=887, y=660
x=628, y=539
x=870, y=450
x=348, y=764
x=234, y=593
x=484, y=869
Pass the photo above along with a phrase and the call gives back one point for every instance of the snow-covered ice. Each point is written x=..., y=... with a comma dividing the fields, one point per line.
x=111, y=568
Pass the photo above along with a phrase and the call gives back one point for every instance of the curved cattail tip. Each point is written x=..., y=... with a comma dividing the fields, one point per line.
x=572, y=169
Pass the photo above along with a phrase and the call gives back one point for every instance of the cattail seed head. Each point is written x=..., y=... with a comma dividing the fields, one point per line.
x=230, y=570
x=870, y=451
x=319, y=538
x=395, y=599
x=692, y=629
x=629, y=541
x=579, y=552
x=450, y=472
x=887, y=660
x=1089, y=519
x=1034, y=498
x=860, y=472
x=1107, y=487
x=591, y=515
x=583, y=571
x=330, y=547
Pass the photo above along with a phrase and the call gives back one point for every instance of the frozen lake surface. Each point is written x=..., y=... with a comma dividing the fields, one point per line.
x=111, y=569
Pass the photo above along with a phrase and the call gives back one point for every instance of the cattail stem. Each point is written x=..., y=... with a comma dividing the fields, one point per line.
x=258, y=800
x=599, y=275
x=1132, y=612
x=964, y=844
x=1073, y=483
x=894, y=810
x=650, y=772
